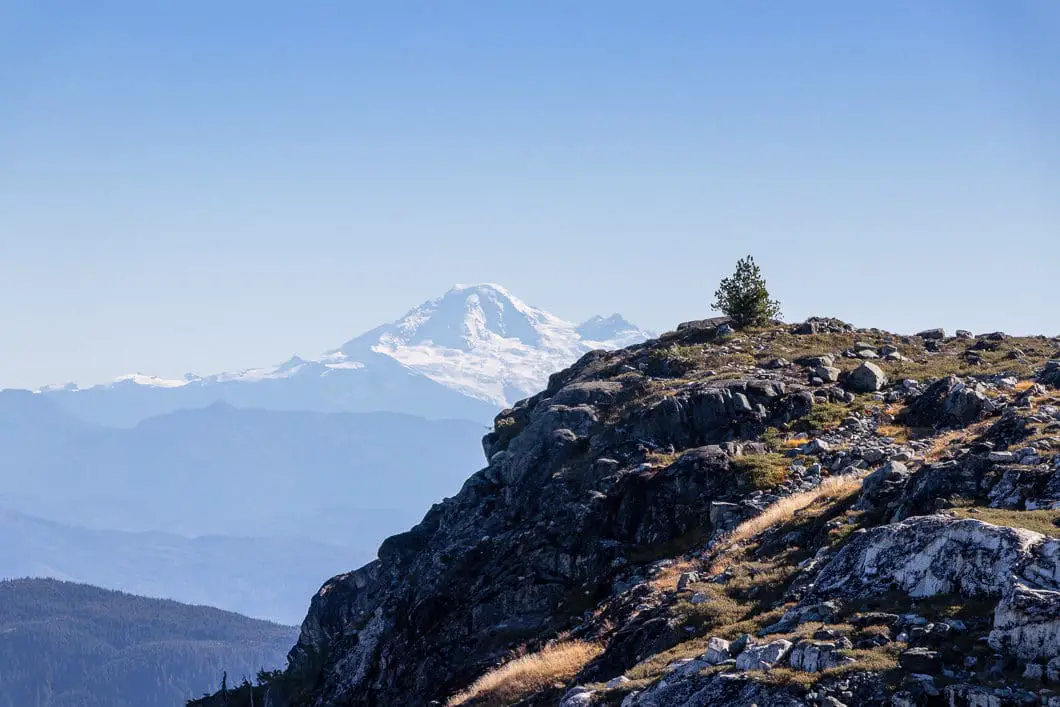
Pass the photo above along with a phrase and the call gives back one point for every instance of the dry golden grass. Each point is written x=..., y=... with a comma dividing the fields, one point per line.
x=898, y=433
x=662, y=458
x=954, y=438
x=524, y=676
x=831, y=488
x=1040, y=521
x=894, y=409
x=669, y=576
x=1024, y=385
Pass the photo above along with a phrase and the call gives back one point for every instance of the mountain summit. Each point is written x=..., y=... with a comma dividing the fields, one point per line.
x=486, y=343
x=466, y=354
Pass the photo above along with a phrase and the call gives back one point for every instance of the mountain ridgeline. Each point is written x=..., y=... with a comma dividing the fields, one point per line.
x=465, y=355
x=261, y=577
x=203, y=505
x=775, y=516
x=71, y=645
x=197, y=489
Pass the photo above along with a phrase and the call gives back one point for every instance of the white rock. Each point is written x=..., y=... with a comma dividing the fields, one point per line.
x=717, y=651
x=815, y=656
x=1027, y=623
x=1052, y=670
x=929, y=555
x=577, y=696
x=763, y=656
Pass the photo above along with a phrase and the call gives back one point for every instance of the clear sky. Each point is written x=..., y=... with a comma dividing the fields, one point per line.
x=203, y=185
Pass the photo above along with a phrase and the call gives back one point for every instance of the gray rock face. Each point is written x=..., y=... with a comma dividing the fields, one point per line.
x=949, y=402
x=577, y=697
x=921, y=660
x=554, y=513
x=718, y=651
x=929, y=555
x=867, y=378
x=731, y=690
x=815, y=656
x=822, y=325
x=824, y=611
x=932, y=334
x=763, y=656
x=965, y=404
x=828, y=374
x=1052, y=670
x=1050, y=374
x=883, y=485
x=1027, y=623
x=725, y=516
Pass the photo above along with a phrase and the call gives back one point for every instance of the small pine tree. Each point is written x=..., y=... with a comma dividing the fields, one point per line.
x=743, y=296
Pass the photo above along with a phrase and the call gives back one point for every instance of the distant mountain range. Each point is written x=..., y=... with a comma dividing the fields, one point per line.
x=262, y=577
x=340, y=478
x=152, y=485
x=466, y=354
x=321, y=490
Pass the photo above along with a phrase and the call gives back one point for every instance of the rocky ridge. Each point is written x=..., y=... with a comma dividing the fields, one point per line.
x=798, y=514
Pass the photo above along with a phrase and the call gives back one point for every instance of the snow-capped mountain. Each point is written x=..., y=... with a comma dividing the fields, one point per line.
x=466, y=354
x=486, y=343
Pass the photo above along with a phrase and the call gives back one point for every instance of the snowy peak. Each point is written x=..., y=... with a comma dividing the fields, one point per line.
x=612, y=332
x=465, y=318
x=486, y=343
x=478, y=341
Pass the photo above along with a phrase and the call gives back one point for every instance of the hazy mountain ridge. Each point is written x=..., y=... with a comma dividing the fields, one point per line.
x=252, y=481
x=226, y=470
x=258, y=577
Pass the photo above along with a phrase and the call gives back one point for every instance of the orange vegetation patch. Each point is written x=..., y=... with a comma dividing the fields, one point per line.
x=524, y=676
x=831, y=488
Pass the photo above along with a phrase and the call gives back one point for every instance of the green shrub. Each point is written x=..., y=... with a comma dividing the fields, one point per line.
x=824, y=416
x=762, y=471
x=743, y=296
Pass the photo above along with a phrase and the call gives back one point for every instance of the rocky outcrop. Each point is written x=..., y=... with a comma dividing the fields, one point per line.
x=691, y=689
x=1050, y=374
x=1027, y=623
x=610, y=507
x=949, y=402
x=931, y=555
x=815, y=656
x=867, y=378
x=939, y=555
x=536, y=536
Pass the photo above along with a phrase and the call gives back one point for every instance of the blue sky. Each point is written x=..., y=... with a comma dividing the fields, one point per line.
x=200, y=186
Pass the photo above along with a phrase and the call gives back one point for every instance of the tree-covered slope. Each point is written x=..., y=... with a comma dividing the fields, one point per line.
x=73, y=645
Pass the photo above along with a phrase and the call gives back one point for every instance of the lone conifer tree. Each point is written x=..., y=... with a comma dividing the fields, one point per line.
x=744, y=297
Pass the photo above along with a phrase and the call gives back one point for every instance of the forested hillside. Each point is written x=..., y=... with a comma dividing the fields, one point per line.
x=73, y=645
